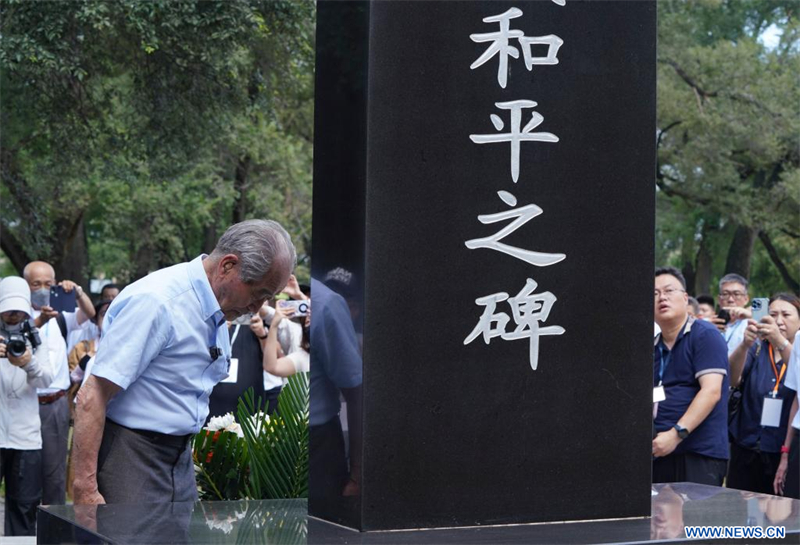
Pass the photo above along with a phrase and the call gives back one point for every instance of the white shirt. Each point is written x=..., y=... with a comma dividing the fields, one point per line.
x=290, y=337
x=793, y=376
x=87, y=331
x=56, y=348
x=20, y=427
x=734, y=335
x=301, y=361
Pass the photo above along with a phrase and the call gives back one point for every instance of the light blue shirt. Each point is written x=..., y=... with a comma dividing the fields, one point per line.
x=335, y=353
x=156, y=342
x=734, y=335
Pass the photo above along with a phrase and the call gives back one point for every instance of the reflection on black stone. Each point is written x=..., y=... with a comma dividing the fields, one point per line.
x=154, y=523
x=336, y=373
x=337, y=292
x=250, y=522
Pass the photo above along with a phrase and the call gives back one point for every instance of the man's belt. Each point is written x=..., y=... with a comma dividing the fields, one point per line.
x=47, y=399
x=175, y=441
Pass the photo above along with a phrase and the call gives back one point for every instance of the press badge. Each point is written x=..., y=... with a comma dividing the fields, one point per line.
x=771, y=414
x=233, y=371
x=659, y=394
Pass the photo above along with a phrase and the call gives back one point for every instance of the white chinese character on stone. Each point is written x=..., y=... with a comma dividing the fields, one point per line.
x=500, y=45
x=489, y=317
x=528, y=310
x=499, y=41
x=515, y=134
x=523, y=215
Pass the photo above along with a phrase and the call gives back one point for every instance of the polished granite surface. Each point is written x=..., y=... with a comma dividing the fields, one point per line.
x=279, y=522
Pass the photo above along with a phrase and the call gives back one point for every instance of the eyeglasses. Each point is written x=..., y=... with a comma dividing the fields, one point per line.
x=667, y=292
x=729, y=294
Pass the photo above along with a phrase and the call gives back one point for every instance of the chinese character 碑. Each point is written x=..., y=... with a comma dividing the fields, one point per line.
x=528, y=309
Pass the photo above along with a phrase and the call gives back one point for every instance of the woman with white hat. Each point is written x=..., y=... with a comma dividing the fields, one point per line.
x=21, y=372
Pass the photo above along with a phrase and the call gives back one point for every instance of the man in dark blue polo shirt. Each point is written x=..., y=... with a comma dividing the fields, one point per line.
x=690, y=413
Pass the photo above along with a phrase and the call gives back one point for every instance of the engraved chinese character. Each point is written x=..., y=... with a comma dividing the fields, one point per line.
x=500, y=45
x=528, y=310
x=523, y=215
x=515, y=134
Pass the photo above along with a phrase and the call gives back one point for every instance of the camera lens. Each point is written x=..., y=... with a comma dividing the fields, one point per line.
x=15, y=347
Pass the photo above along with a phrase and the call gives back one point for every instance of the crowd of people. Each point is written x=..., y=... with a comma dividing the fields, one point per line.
x=139, y=371
x=135, y=369
x=725, y=406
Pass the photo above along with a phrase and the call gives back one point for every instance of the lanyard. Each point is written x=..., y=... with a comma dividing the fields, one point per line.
x=775, y=370
x=664, y=363
x=235, y=334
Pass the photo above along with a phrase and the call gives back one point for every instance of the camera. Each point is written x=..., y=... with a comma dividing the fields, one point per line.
x=300, y=307
x=16, y=343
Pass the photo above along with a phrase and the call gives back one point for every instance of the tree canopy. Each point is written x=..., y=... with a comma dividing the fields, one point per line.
x=135, y=132
x=728, y=132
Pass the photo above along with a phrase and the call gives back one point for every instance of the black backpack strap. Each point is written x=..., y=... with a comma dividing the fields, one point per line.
x=62, y=324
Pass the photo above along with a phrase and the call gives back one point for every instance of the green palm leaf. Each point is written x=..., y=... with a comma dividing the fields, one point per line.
x=278, y=447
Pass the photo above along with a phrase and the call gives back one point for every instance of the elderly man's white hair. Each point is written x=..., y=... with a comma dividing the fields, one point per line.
x=258, y=244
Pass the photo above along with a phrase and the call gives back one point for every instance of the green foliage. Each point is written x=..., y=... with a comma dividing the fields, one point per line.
x=278, y=447
x=124, y=123
x=729, y=124
x=270, y=461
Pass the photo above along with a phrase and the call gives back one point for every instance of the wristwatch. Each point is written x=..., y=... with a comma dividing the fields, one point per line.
x=683, y=433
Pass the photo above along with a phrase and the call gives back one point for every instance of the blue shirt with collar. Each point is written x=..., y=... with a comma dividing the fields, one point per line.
x=157, y=336
x=698, y=350
x=758, y=381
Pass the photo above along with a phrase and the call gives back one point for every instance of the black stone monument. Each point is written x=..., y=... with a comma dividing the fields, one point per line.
x=484, y=210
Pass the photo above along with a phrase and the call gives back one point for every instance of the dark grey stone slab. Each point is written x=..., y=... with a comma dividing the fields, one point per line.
x=459, y=434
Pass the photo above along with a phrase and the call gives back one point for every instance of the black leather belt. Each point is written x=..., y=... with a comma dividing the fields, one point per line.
x=176, y=441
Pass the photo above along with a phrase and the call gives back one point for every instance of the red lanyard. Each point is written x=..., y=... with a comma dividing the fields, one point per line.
x=775, y=370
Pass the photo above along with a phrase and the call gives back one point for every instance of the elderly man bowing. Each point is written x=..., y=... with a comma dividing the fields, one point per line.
x=164, y=347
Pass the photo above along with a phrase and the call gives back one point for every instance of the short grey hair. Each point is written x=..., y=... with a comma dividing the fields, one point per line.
x=733, y=277
x=257, y=244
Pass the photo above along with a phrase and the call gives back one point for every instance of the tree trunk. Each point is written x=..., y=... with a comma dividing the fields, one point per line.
x=209, y=238
x=14, y=251
x=240, y=186
x=741, y=251
x=70, y=257
x=704, y=262
x=689, y=275
x=793, y=284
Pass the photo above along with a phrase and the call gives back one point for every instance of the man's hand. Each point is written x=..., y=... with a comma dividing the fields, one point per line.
x=85, y=492
x=68, y=285
x=665, y=442
x=739, y=313
x=47, y=314
x=719, y=322
x=257, y=326
x=352, y=488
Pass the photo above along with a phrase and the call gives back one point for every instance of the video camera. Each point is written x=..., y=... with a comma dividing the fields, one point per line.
x=17, y=342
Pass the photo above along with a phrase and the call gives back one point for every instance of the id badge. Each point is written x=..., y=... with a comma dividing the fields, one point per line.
x=233, y=372
x=771, y=413
x=659, y=394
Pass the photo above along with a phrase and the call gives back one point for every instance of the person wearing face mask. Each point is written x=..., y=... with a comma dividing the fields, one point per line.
x=53, y=405
x=24, y=365
x=758, y=366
